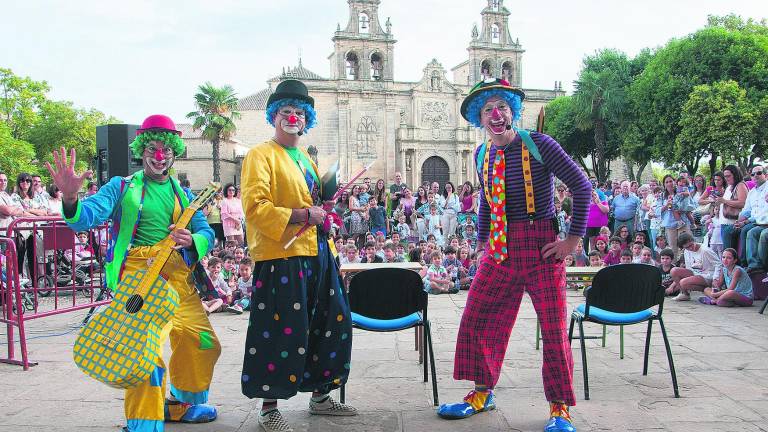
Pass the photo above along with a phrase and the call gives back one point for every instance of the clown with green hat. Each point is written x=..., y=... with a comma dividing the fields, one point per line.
x=521, y=253
x=143, y=209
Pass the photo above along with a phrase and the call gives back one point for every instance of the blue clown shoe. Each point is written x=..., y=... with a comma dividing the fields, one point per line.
x=475, y=402
x=559, y=419
x=181, y=412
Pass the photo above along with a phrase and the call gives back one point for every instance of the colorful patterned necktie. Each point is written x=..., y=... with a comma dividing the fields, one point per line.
x=498, y=232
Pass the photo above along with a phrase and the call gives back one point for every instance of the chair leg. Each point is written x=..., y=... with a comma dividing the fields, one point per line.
x=431, y=361
x=423, y=348
x=584, y=360
x=538, y=334
x=669, y=357
x=604, y=327
x=647, y=347
x=621, y=342
x=570, y=329
x=342, y=393
x=762, y=309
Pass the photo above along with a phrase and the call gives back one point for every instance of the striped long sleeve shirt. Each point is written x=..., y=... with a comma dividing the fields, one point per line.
x=558, y=164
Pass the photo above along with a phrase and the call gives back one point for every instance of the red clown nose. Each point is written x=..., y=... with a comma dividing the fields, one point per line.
x=292, y=119
x=495, y=113
x=159, y=155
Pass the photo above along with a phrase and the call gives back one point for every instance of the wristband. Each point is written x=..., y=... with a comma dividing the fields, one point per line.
x=307, y=216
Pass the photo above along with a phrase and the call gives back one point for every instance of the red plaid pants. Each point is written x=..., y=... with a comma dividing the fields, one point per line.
x=494, y=301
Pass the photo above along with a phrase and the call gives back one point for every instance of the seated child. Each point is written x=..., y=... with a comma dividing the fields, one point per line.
x=579, y=257
x=732, y=286
x=637, y=251
x=349, y=255
x=626, y=257
x=666, y=258
x=661, y=244
x=212, y=301
x=595, y=259
x=451, y=263
x=437, y=277
x=244, y=287
x=370, y=254
x=646, y=257
x=389, y=254
x=613, y=256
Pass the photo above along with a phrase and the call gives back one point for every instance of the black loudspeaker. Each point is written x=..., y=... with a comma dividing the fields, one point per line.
x=113, y=156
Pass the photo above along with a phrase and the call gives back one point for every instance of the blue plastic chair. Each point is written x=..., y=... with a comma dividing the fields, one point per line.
x=623, y=295
x=389, y=300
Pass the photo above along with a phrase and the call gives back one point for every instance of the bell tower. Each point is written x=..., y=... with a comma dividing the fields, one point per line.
x=364, y=49
x=492, y=51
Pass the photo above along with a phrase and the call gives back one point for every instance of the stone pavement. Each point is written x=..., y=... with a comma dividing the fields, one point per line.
x=720, y=357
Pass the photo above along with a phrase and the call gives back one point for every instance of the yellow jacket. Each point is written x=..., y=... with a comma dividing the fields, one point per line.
x=272, y=185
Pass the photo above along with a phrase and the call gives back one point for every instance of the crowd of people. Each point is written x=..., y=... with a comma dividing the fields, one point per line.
x=706, y=235
x=682, y=225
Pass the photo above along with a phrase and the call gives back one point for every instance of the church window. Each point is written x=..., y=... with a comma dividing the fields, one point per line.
x=506, y=71
x=485, y=69
x=376, y=67
x=364, y=23
x=366, y=138
x=353, y=66
x=495, y=34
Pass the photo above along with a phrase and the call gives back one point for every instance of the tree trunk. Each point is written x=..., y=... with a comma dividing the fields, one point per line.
x=712, y=163
x=583, y=165
x=630, y=171
x=602, y=171
x=216, y=160
x=640, y=169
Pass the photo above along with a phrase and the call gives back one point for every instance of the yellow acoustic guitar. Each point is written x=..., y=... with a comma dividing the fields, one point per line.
x=119, y=346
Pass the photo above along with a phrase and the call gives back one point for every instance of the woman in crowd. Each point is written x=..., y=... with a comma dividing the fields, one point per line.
x=232, y=215
x=213, y=215
x=357, y=224
x=731, y=286
x=380, y=194
x=596, y=219
x=710, y=212
x=468, y=204
x=643, y=224
x=699, y=189
x=341, y=209
x=407, y=205
x=623, y=234
x=449, y=219
x=23, y=196
x=54, y=202
x=665, y=210
x=731, y=203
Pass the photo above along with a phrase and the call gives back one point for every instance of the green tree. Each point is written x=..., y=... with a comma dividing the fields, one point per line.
x=600, y=104
x=635, y=143
x=17, y=156
x=60, y=124
x=20, y=97
x=216, y=110
x=719, y=118
x=724, y=50
x=560, y=124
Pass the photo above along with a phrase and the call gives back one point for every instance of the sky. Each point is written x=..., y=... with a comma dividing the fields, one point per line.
x=132, y=59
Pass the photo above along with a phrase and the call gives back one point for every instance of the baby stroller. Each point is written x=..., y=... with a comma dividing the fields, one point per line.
x=60, y=272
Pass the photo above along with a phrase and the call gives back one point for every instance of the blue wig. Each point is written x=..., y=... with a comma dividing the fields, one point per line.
x=473, y=110
x=311, y=118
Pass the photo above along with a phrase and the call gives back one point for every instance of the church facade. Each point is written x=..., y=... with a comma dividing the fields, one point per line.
x=365, y=115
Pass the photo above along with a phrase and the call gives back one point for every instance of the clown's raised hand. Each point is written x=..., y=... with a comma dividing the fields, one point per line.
x=64, y=176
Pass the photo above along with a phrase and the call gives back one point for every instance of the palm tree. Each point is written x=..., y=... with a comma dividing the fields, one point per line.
x=216, y=110
x=600, y=102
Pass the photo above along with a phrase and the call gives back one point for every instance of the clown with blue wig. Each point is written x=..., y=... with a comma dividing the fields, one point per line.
x=518, y=234
x=300, y=331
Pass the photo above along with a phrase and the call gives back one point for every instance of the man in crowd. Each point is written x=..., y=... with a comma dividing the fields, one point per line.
x=396, y=189
x=8, y=208
x=752, y=221
x=624, y=207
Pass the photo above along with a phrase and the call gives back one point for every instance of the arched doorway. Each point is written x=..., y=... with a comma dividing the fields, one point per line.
x=435, y=169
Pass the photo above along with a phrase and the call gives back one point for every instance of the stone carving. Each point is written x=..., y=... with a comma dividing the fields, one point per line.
x=408, y=162
x=475, y=32
x=388, y=24
x=435, y=114
x=367, y=136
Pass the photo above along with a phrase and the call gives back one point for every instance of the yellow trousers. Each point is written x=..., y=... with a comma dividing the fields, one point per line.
x=194, y=344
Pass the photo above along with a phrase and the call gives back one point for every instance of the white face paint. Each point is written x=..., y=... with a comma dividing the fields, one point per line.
x=496, y=116
x=158, y=159
x=291, y=119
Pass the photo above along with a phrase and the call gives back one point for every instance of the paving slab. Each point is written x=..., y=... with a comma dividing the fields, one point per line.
x=720, y=357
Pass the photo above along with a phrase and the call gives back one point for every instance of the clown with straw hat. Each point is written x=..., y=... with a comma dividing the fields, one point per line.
x=522, y=253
